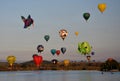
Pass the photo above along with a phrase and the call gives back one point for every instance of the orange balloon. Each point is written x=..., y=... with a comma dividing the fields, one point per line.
x=76, y=33
x=66, y=62
x=102, y=7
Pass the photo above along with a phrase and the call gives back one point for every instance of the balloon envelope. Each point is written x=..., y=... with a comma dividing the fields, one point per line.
x=63, y=33
x=76, y=33
x=28, y=21
x=66, y=62
x=86, y=16
x=63, y=50
x=53, y=51
x=37, y=60
x=84, y=48
x=11, y=60
x=54, y=61
x=102, y=7
x=57, y=52
x=88, y=58
x=40, y=48
x=92, y=53
x=46, y=37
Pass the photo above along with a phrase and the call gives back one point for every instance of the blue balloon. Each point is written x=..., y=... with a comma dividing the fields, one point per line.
x=53, y=51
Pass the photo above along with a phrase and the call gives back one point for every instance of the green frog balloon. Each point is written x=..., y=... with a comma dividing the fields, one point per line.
x=84, y=48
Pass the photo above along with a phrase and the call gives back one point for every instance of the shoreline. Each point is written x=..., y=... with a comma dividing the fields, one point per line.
x=47, y=65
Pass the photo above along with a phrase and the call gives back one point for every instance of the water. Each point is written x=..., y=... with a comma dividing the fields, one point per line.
x=59, y=76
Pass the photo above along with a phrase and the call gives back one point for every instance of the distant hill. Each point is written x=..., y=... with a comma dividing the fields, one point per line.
x=31, y=62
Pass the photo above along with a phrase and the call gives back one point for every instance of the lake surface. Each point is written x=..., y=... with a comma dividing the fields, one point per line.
x=59, y=76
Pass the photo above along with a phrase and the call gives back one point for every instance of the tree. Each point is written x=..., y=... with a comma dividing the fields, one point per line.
x=109, y=64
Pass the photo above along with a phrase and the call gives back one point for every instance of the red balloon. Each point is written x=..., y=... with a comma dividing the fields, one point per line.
x=110, y=59
x=57, y=52
x=37, y=60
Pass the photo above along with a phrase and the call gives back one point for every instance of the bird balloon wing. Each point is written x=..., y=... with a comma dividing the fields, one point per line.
x=29, y=17
x=23, y=18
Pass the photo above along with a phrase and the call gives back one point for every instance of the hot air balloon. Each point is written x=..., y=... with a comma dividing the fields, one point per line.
x=84, y=48
x=53, y=51
x=46, y=37
x=102, y=7
x=54, y=61
x=66, y=62
x=76, y=33
x=40, y=48
x=110, y=59
x=88, y=58
x=11, y=60
x=28, y=21
x=37, y=59
x=86, y=16
x=92, y=53
x=63, y=50
x=63, y=33
x=58, y=52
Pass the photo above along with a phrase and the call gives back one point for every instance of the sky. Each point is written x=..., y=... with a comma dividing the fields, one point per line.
x=102, y=30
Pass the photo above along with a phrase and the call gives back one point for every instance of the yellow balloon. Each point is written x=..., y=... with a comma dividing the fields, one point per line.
x=76, y=33
x=102, y=7
x=66, y=62
x=11, y=60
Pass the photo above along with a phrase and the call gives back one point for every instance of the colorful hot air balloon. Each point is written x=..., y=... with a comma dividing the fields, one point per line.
x=54, y=61
x=11, y=60
x=88, y=58
x=28, y=21
x=86, y=16
x=58, y=52
x=102, y=7
x=53, y=51
x=40, y=48
x=63, y=50
x=84, y=48
x=66, y=62
x=37, y=59
x=76, y=33
x=63, y=33
x=46, y=37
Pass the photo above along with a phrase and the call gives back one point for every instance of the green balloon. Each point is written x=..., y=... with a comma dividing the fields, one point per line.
x=53, y=51
x=46, y=37
x=86, y=16
x=84, y=48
